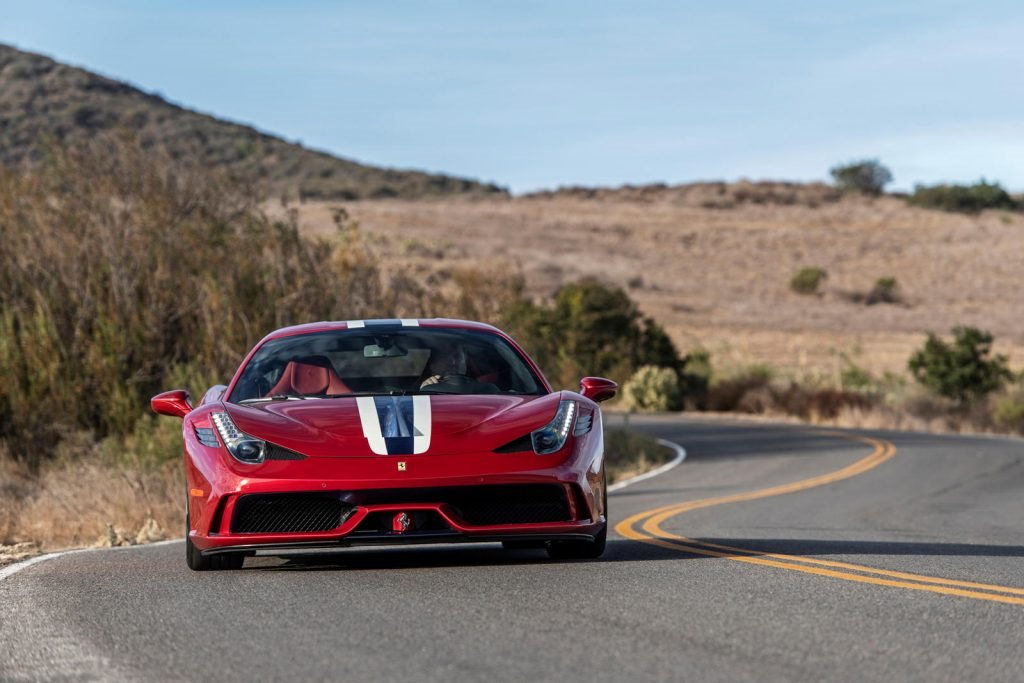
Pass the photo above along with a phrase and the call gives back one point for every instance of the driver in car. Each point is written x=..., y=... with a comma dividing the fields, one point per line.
x=447, y=368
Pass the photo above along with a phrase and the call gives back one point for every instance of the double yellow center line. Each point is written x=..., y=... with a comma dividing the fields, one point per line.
x=651, y=532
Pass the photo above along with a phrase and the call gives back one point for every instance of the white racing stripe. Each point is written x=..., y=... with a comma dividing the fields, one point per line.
x=410, y=322
x=352, y=324
x=371, y=424
x=421, y=424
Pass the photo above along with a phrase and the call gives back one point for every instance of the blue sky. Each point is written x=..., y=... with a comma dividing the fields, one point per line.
x=541, y=94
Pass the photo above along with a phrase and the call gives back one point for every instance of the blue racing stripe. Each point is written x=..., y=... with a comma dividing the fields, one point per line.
x=396, y=416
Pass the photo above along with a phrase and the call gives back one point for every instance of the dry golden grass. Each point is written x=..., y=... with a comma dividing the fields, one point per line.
x=719, y=277
x=89, y=501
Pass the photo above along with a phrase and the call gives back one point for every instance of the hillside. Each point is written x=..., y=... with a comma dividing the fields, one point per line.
x=43, y=100
x=712, y=263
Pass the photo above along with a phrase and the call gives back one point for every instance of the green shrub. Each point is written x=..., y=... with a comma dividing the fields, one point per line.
x=1008, y=412
x=807, y=280
x=696, y=375
x=590, y=329
x=868, y=176
x=652, y=389
x=855, y=378
x=885, y=291
x=963, y=371
x=962, y=198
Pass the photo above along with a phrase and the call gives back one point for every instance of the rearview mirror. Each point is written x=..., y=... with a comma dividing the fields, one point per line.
x=378, y=351
x=174, y=403
x=598, y=388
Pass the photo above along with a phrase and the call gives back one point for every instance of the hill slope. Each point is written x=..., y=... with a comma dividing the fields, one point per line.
x=712, y=263
x=41, y=100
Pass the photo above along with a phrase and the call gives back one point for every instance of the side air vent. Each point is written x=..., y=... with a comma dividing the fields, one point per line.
x=521, y=445
x=275, y=452
x=583, y=424
x=207, y=437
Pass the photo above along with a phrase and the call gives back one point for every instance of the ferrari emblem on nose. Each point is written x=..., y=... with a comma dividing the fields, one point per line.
x=401, y=522
x=401, y=466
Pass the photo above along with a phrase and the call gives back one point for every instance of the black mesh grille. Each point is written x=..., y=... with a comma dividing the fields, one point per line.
x=512, y=505
x=288, y=513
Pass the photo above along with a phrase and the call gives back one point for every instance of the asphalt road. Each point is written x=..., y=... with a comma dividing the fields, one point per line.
x=781, y=553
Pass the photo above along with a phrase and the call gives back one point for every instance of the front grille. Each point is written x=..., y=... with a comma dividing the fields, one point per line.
x=483, y=505
x=288, y=513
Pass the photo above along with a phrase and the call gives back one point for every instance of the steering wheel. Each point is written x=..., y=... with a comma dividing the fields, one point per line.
x=449, y=383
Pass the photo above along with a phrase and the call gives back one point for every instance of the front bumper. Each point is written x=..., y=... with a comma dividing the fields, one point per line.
x=487, y=511
x=375, y=489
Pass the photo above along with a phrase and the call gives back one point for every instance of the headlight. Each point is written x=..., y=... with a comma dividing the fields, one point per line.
x=551, y=437
x=241, y=446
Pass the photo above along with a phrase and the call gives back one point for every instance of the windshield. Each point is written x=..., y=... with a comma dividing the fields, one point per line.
x=402, y=361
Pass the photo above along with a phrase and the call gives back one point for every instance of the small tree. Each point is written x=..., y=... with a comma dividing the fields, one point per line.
x=962, y=371
x=868, y=176
x=807, y=280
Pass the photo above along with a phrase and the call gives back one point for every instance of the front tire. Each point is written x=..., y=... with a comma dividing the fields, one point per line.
x=198, y=563
x=580, y=550
x=584, y=550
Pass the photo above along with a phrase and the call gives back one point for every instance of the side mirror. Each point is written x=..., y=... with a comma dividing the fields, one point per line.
x=598, y=388
x=174, y=403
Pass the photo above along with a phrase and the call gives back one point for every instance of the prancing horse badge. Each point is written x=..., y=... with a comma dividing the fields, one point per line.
x=401, y=466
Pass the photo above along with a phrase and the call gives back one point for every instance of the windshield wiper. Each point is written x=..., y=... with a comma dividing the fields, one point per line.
x=278, y=397
x=349, y=394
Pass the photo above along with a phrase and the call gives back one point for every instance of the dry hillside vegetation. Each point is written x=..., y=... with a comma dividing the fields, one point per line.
x=125, y=272
x=712, y=262
x=44, y=102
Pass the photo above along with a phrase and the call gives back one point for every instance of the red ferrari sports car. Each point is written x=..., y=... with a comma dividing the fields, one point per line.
x=390, y=431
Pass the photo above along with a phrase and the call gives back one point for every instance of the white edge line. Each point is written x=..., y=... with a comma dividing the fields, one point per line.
x=680, y=457
x=12, y=569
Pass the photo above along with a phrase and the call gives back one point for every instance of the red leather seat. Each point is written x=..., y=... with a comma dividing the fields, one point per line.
x=312, y=376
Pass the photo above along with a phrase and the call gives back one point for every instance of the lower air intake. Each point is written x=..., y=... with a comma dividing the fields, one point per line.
x=483, y=505
x=511, y=505
x=288, y=513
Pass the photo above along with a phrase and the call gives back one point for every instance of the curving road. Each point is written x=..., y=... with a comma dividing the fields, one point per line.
x=773, y=553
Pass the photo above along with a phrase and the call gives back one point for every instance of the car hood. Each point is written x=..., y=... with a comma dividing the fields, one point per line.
x=395, y=425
